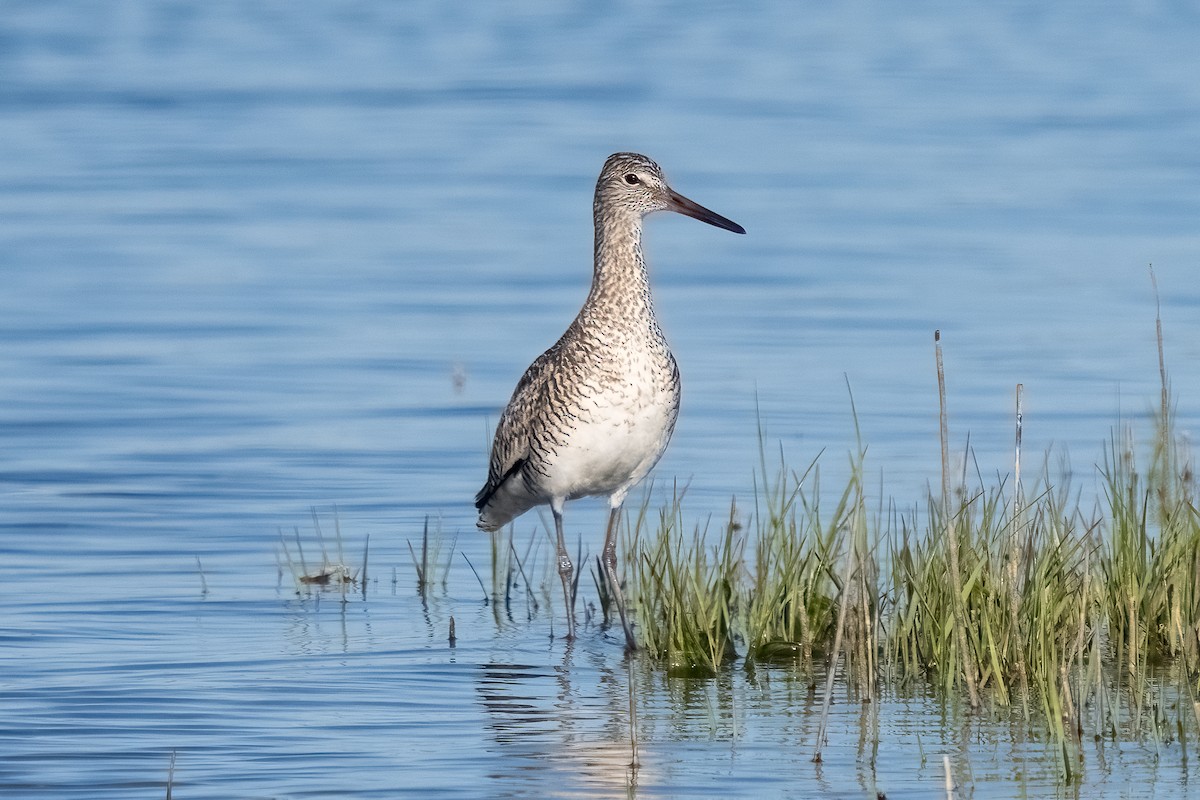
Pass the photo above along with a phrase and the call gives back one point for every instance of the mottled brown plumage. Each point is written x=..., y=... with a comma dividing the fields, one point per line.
x=593, y=414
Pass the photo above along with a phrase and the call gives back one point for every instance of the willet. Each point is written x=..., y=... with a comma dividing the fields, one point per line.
x=593, y=414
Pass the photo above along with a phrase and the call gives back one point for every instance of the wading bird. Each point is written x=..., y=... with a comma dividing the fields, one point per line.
x=593, y=414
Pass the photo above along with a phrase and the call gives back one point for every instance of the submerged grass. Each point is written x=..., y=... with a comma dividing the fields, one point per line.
x=1002, y=594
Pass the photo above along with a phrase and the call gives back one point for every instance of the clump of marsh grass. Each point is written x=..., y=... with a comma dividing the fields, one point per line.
x=1150, y=558
x=1149, y=555
x=686, y=592
x=792, y=611
x=1062, y=608
x=814, y=585
x=1025, y=602
x=813, y=579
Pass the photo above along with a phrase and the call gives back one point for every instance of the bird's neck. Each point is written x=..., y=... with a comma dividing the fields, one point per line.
x=620, y=270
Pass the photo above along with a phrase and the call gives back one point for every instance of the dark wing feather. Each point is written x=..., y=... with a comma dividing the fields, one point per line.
x=511, y=445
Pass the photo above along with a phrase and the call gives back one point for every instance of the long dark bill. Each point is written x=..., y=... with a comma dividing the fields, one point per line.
x=684, y=206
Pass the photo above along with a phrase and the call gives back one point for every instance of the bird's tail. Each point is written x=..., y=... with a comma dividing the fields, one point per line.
x=501, y=501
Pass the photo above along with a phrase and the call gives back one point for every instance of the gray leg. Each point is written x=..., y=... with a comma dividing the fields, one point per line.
x=566, y=571
x=610, y=569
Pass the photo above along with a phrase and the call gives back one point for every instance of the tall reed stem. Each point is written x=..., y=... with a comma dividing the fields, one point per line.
x=1014, y=548
x=960, y=623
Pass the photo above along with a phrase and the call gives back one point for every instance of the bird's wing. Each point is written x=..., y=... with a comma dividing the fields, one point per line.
x=511, y=445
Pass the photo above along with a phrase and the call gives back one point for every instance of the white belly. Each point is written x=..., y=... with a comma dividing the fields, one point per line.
x=612, y=446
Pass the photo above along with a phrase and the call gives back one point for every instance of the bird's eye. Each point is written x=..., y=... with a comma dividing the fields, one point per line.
x=632, y=179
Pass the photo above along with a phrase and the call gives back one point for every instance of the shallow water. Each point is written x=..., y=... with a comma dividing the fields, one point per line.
x=257, y=260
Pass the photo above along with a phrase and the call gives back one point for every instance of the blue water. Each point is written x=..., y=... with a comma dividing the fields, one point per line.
x=258, y=258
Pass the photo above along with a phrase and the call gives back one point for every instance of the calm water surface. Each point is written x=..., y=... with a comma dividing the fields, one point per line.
x=256, y=260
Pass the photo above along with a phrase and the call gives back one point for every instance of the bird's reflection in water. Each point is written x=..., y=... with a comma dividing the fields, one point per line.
x=560, y=729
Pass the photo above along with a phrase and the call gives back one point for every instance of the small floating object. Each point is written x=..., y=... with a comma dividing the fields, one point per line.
x=335, y=574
